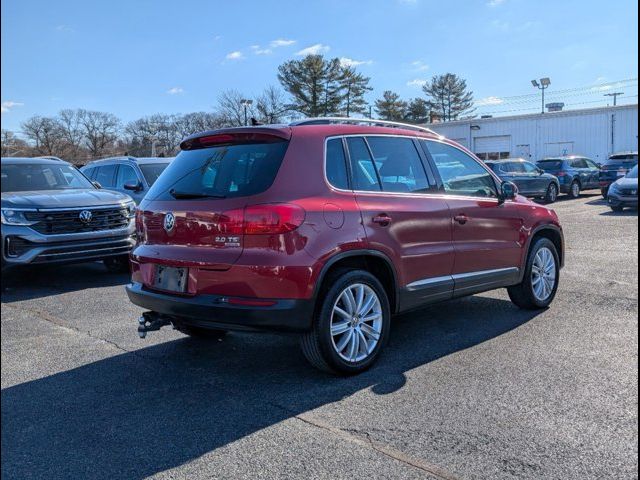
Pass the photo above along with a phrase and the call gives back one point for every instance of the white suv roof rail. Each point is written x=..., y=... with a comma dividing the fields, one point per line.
x=359, y=121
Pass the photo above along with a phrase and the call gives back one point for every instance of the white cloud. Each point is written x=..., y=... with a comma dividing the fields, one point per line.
x=313, y=50
x=281, y=42
x=64, y=28
x=175, y=91
x=501, y=25
x=237, y=55
x=496, y=3
x=258, y=50
x=419, y=66
x=8, y=105
x=350, y=62
x=489, y=101
x=417, y=83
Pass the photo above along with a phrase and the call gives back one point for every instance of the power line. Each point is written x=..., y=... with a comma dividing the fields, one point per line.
x=536, y=108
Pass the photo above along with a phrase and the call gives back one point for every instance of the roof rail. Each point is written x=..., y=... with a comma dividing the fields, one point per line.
x=359, y=121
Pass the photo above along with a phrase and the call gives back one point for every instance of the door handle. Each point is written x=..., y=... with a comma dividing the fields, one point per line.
x=383, y=219
x=461, y=219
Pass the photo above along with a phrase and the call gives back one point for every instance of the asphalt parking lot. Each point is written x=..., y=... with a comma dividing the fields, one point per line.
x=472, y=388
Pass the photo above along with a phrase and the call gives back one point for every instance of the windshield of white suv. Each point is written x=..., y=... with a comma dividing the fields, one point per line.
x=29, y=177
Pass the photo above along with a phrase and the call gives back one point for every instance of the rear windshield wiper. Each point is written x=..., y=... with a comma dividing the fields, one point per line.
x=188, y=195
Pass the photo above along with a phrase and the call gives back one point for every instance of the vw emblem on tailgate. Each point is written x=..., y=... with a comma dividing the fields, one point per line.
x=169, y=222
x=85, y=216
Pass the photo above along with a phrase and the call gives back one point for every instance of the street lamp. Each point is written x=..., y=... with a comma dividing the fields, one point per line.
x=543, y=85
x=246, y=103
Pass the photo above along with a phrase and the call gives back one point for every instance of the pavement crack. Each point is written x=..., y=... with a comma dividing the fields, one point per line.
x=364, y=439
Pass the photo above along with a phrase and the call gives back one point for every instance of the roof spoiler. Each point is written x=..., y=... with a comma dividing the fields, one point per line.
x=230, y=136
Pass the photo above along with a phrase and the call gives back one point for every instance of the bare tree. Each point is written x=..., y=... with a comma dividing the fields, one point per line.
x=195, y=122
x=72, y=132
x=100, y=130
x=45, y=133
x=12, y=145
x=231, y=108
x=271, y=106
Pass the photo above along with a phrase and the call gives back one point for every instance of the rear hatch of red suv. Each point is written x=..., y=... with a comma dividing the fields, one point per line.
x=195, y=215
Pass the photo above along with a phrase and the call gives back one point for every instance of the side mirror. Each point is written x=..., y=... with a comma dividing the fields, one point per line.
x=96, y=184
x=133, y=186
x=508, y=191
x=541, y=171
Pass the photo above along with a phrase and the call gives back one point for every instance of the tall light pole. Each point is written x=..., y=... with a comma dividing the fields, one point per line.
x=246, y=103
x=615, y=96
x=543, y=85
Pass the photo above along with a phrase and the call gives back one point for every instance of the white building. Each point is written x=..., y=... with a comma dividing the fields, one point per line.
x=595, y=133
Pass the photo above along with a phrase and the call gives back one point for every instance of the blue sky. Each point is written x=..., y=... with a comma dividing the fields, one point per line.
x=135, y=58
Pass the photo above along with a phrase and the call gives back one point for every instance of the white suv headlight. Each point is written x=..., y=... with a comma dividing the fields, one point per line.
x=15, y=217
x=131, y=209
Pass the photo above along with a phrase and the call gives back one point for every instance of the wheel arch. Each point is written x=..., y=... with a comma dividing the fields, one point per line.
x=373, y=261
x=551, y=232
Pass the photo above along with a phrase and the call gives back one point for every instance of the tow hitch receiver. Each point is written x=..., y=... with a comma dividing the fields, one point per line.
x=150, y=322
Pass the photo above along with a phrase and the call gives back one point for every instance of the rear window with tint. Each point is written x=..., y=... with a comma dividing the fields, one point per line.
x=222, y=171
x=550, y=165
x=152, y=171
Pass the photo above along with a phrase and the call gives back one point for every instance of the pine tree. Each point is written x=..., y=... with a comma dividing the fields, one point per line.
x=417, y=111
x=448, y=97
x=353, y=85
x=391, y=107
x=314, y=85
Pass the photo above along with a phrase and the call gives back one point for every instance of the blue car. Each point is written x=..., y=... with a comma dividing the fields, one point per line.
x=532, y=181
x=575, y=173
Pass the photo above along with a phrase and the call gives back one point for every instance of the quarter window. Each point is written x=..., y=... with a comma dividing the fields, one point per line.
x=461, y=174
x=336, y=164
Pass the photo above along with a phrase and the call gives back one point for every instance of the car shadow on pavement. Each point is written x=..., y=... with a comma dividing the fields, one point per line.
x=27, y=283
x=142, y=412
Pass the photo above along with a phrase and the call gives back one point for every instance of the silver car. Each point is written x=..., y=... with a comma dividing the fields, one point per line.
x=131, y=175
x=51, y=213
x=624, y=192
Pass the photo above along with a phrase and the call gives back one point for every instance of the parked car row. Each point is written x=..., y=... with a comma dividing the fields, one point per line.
x=226, y=236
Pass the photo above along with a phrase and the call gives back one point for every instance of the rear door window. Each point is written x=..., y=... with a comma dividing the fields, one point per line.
x=105, y=175
x=336, y=164
x=233, y=170
x=398, y=165
x=579, y=163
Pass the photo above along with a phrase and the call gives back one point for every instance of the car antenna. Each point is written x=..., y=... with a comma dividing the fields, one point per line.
x=255, y=123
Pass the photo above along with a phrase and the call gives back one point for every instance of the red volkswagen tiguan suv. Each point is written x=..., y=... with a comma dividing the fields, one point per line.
x=329, y=227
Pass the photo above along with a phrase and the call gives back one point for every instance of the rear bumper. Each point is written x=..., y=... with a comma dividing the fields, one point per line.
x=213, y=311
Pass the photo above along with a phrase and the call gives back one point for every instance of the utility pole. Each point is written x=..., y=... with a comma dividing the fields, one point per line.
x=543, y=85
x=615, y=96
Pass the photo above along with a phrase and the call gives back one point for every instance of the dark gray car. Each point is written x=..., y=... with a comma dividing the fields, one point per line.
x=131, y=175
x=624, y=192
x=51, y=213
x=532, y=181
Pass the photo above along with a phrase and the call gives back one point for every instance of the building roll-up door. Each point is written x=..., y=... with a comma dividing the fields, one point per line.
x=492, y=148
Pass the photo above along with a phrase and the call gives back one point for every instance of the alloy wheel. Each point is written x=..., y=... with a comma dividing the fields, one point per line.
x=543, y=274
x=356, y=322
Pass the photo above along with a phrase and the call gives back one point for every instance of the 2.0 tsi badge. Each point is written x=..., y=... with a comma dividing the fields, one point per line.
x=85, y=216
x=169, y=222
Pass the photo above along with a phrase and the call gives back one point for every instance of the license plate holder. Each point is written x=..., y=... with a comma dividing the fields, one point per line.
x=171, y=279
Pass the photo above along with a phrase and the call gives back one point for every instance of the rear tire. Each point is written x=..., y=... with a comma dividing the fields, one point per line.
x=203, y=333
x=552, y=193
x=575, y=190
x=351, y=324
x=526, y=295
x=119, y=264
x=605, y=192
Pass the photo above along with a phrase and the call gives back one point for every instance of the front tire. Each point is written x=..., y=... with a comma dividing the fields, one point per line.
x=541, y=277
x=552, y=193
x=351, y=324
x=617, y=209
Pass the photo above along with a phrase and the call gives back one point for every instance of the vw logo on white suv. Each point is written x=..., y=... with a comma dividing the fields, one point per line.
x=85, y=216
x=169, y=222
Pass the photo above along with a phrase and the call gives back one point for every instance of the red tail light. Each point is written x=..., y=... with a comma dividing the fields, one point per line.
x=274, y=218
x=561, y=174
x=267, y=219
